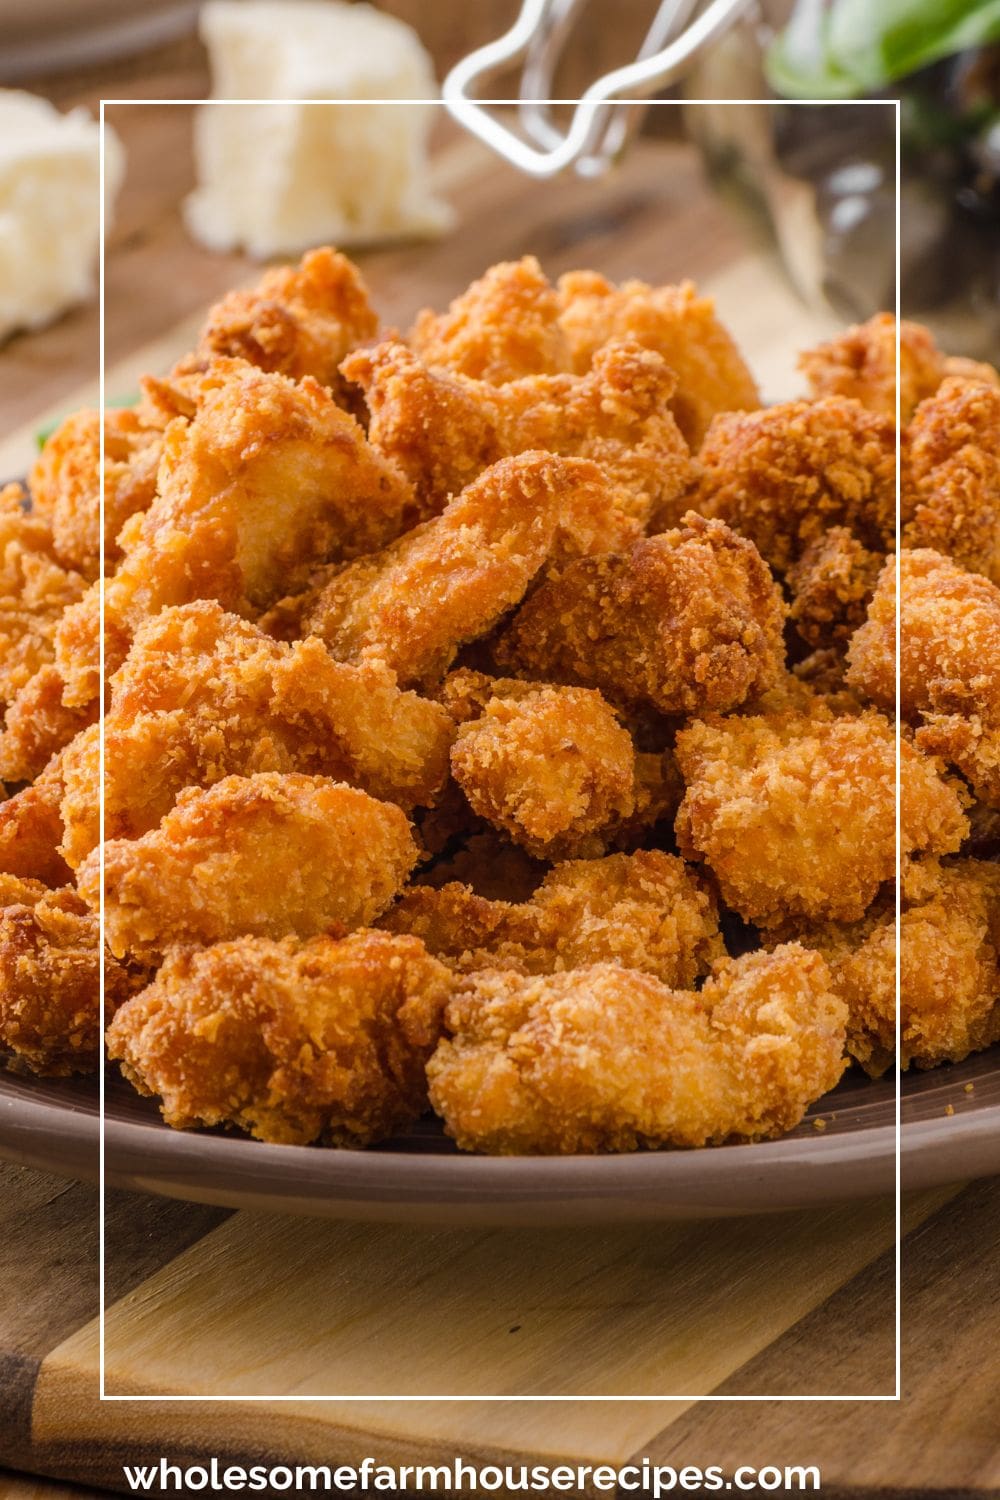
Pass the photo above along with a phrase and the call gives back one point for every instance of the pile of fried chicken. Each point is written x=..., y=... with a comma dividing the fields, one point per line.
x=500, y=721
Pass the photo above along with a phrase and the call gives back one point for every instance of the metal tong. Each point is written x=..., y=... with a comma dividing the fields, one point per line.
x=607, y=113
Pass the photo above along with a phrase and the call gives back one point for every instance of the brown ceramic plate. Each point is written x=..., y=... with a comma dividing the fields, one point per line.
x=421, y=1178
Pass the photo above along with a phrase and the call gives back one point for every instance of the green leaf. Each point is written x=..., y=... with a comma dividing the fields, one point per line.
x=855, y=47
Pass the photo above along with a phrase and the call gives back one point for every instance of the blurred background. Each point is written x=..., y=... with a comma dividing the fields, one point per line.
x=809, y=185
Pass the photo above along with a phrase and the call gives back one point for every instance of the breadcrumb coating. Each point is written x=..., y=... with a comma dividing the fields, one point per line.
x=950, y=641
x=65, y=482
x=783, y=476
x=34, y=590
x=675, y=321
x=951, y=490
x=38, y=725
x=442, y=430
x=204, y=694
x=503, y=327
x=860, y=363
x=50, y=979
x=550, y=768
x=606, y=1059
x=831, y=585
x=263, y=856
x=795, y=815
x=646, y=911
x=451, y=579
x=31, y=828
x=683, y=622
x=292, y=1041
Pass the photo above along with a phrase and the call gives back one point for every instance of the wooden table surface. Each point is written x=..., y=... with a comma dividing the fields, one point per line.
x=201, y=1301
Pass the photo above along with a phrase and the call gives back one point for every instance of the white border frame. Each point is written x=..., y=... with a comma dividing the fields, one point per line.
x=104, y=1395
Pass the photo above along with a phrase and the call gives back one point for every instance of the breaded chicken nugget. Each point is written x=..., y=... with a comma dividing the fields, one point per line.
x=204, y=694
x=646, y=911
x=34, y=591
x=831, y=585
x=552, y=768
x=677, y=323
x=503, y=327
x=50, y=979
x=607, y=1059
x=948, y=677
x=683, y=622
x=451, y=579
x=783, y=476
x=253, y=855
x=442, y=430
x=267, y=480
x=795, y=816
x=292, y=1041
x=31, y=828
x=65, y=482
x=951, y=490
x=297, y=321
x=860, y=363
x=38, y=725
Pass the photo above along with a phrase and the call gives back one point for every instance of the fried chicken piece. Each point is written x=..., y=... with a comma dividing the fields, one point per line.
x=608, y=1059
x=297, y=321
x=860, y=363
x=292, y=1041
x=795, y=816
x=646, y=911
x=257, y=855
x=503, y=327
x=78, y=648
x=442, y=430
x=949, y=961
x=950, y=642
x=34, y=591
x=677, y=323
x=831, y=585
x=451, y=579
x=31, y=828
x=951, y=492
x=204, y=694
x=38, y=725
x=50, y=980
x=783, y=476
x=65, y=482
x=683, y=622
x=267, y=480
x=552, y=768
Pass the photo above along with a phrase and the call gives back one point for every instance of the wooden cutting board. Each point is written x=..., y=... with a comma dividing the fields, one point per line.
x=201, y=1302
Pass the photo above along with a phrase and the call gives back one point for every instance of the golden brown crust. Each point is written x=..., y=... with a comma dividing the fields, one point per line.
x=292, y=1041
x=831, y=586
x=38, y=724
x=951, y=491
x=607, y=1059
x=860, y=363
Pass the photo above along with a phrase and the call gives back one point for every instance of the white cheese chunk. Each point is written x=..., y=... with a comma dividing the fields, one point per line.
x=49, y=207
x=276, y=178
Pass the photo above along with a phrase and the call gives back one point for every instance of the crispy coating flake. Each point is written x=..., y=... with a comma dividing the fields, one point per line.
x=503, y=327
x=442, y=429
x=677, y=323
x=831, y=585
x=451, y=579
x=204, y=694
x=646, y=911
x=34, y=590
x=783, y=476
x=607, y=1059
x=292, y=1041
x=683, y=622
x=950, y=644
x=49, y=979
x=65, y=482
x=795, y=815
x=258, y=856
x=38, y=725
x=31, y=828
x=552, y=768
x=951, y=491
x=268, y=479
